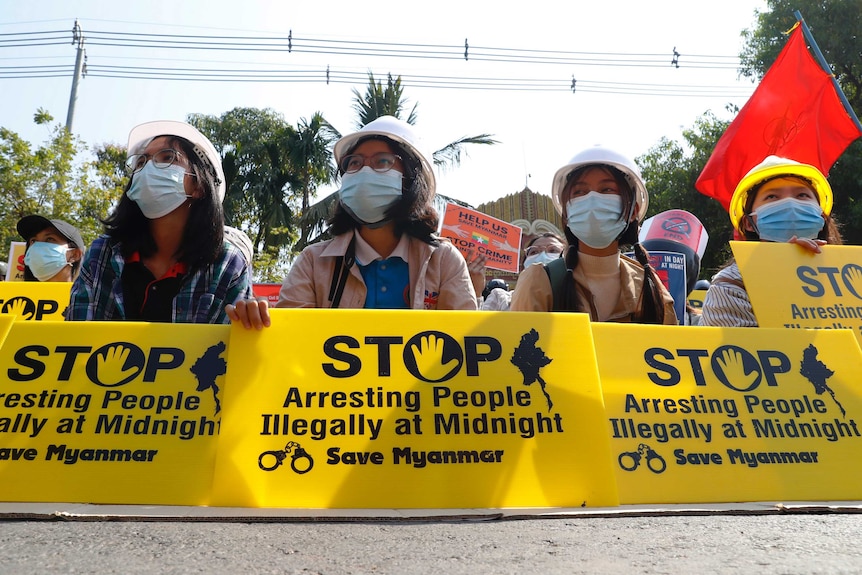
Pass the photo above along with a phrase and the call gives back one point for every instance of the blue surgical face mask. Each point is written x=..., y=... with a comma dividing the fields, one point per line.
x=45, y=259
x=540, y=258
x=158, y=191
x=780, y=220
x=596, y=219
x=367, y=195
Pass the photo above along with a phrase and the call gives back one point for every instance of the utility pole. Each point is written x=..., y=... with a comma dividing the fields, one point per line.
x=80, y=71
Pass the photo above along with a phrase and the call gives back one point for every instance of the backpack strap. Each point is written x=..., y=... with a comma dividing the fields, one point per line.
x=557, y=271
x=340, y=273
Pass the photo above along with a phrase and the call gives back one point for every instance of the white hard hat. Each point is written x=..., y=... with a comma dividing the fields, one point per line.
x=396, y=130
x=603, y=156
x=141, y=136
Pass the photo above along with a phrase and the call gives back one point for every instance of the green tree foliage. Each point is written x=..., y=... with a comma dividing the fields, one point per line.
x=835, y=25
x=49, y=180
x=382, y=101
x=102, y=181
x=670, y=170
x=36, y=180
x=310, y=152
x=271, y=169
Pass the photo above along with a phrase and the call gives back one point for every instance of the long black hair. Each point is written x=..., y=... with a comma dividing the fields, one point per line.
x=203, y=236
x=651, y=308
x=413, y=215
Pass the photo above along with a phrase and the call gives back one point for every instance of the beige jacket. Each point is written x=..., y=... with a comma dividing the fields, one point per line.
x=534, y=293
x=438, y=277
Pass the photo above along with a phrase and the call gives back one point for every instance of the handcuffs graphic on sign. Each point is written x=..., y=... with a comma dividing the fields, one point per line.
x=298, y=454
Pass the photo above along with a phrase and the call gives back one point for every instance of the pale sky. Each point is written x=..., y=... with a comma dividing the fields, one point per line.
x=538, y=130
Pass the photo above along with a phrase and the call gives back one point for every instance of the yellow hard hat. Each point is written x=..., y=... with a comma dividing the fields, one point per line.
x=772, y=167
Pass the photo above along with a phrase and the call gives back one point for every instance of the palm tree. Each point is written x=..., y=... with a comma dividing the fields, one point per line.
x=309, y=150
x=379, y=101
x=382, y=101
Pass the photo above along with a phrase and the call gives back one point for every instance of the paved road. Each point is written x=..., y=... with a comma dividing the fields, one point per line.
x=762, y=544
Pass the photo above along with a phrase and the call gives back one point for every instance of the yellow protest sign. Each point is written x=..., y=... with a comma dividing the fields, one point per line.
x=696, y=297
x=737, y=414
x=793, y=288
x=6, y=323
x=15, y=271
x=404, y=409
x=110, y=412
x=35, y=301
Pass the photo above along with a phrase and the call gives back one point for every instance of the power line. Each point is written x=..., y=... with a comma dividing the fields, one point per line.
x=313, y=74
x=289, y=44
x=341, y=76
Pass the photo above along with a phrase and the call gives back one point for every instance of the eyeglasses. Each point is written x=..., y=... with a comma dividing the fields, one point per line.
x=535, y=250
x=161, y=159
x=379, y=162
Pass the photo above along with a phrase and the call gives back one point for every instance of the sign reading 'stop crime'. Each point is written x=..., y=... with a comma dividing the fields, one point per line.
x=371, y=409
x=703, y=414
x=498, y=241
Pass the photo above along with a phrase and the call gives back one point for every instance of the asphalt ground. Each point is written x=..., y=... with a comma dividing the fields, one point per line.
x=760, y=543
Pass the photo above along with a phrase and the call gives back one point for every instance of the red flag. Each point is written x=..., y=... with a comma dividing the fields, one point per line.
x=794, y=113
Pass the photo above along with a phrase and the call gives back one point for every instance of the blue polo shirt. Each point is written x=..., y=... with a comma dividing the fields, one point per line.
x=387, y=280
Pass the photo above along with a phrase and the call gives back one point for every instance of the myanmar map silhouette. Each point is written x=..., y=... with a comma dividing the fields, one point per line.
x=530, y=358
x=817, y=373
x=207, y=368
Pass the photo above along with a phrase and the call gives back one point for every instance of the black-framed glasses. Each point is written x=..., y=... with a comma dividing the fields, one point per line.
x=161, y=159
x=379, y=162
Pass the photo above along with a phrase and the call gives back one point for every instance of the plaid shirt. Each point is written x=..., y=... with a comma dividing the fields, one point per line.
x=97, y=294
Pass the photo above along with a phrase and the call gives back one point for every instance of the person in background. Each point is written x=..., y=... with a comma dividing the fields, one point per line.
x=678, y=231
x=602, y=197
x=384, y=253
x=163, y=256
x=543, y=249
x=496, y=296
x=778, y=200
x=54, y=249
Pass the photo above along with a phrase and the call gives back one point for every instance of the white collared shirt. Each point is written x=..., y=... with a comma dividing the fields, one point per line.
x=365, y=254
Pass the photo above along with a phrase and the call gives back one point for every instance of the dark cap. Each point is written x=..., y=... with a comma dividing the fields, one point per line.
x=494, y=284
x=29, y=226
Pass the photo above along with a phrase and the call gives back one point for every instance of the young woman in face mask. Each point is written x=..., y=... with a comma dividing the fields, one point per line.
x=54, y=249
x=543, y=249
x=779, y=200
x=602, y=197
x=383, y=253
x=163, y=256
